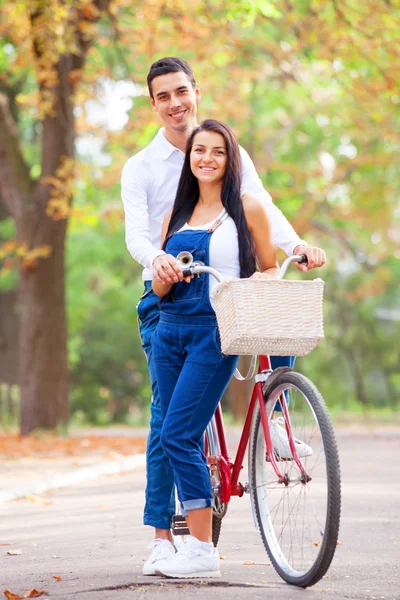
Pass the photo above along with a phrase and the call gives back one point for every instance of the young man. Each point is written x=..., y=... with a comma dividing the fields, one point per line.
x=149, y=183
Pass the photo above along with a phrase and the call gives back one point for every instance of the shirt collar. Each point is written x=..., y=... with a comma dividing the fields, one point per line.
x=162, y=147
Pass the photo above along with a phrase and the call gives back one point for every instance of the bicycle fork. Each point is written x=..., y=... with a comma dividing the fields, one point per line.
x=305, y=478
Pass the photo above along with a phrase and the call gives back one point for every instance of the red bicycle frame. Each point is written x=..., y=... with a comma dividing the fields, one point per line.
x=229, y=471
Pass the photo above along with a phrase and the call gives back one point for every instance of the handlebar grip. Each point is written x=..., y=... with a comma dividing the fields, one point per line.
x=187, y=272
x=304, y=260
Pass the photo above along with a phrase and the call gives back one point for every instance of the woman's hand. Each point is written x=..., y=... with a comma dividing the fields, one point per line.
x=166, y=269
x=258, y=275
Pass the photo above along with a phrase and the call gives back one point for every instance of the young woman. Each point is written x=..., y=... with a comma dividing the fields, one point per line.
x=211, y=221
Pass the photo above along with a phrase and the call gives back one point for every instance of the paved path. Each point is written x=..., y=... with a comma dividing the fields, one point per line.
x=91, y=536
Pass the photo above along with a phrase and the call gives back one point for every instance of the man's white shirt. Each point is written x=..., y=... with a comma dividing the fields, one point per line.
x=149, y=183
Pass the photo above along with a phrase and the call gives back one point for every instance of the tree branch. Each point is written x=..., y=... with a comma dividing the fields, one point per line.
x=344, y=242
x=58, y=123
x=15, y=181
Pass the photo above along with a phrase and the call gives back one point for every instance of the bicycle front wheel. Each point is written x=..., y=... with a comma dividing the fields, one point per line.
x=298, y=519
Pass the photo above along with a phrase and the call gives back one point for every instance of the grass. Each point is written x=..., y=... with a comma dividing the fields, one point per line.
x=358, y=415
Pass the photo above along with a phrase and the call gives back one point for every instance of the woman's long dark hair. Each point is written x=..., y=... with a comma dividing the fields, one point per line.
x=188, y=193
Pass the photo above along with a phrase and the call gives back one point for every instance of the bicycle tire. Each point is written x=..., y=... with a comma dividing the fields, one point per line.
x=212, y=448
x=272, y=533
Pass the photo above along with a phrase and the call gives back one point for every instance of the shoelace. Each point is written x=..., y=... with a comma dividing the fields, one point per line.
x=188, y=549
x=157, y=543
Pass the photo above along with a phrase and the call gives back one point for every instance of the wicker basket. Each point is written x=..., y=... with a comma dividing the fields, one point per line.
x=270, y=316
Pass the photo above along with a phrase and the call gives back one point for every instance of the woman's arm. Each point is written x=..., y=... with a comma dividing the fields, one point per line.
x=159, y=288
x=260, y=229
x=173, y=272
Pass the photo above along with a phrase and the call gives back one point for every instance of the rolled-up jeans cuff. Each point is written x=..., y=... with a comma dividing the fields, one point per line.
x=195, y=504
x=156, y=523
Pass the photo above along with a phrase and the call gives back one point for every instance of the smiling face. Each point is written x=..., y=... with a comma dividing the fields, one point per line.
x=208, y=156
x=175, y=100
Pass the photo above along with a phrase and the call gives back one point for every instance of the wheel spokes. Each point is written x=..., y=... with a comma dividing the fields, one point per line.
x=295, y=514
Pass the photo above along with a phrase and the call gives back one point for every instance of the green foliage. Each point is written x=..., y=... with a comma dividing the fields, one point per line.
x=8, y=277
x=109, y=369
x=7, y=229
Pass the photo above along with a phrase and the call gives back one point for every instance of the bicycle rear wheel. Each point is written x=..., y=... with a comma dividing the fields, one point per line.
x=212, y=449
x=299, y=520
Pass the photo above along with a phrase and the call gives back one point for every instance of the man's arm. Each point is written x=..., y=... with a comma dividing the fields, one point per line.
x=134, y=186
x=283, y=234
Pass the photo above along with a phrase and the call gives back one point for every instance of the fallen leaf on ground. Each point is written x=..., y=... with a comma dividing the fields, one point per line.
x=38, y=500
x=339, y=543
x=5, y=544
x=34, y=593
x=14, y=552
x=316, y=543
x=252, y=562
x=11, y=596
x=57, y=577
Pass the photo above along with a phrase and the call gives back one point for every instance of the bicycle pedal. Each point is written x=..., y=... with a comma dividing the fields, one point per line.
x=179, y=525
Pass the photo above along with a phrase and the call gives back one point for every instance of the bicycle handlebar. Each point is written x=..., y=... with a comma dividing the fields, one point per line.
x=197, y=268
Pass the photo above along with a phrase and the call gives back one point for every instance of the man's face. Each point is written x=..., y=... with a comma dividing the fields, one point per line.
x=175, y=100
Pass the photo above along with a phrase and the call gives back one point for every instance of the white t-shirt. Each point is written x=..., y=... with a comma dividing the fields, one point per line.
x=149, y=183
x=224, y=248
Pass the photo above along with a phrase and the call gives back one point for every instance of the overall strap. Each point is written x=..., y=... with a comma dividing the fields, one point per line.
x=218, y=221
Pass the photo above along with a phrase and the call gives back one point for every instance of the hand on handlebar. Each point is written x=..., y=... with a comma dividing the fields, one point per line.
x=316, y=257
x=258, y=275
x=163, y=276
x=166, y=270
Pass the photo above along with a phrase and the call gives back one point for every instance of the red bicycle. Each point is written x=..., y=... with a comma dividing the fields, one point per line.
x=293, y=468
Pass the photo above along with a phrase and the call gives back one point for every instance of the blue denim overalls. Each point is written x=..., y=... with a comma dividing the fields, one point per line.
x=191, y=372
x=160, y=493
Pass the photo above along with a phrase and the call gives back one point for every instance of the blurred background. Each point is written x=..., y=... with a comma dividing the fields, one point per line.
x=310, y=87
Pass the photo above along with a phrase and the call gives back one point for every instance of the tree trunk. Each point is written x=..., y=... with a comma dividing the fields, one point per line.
x=238, y=392
x=8, y=338
x=358, y=379
x=43, y=340
x=43, y=329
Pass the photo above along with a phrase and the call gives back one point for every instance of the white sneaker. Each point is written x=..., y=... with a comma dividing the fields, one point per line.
x=193, y=559
x=280, y=441
x=161, y=550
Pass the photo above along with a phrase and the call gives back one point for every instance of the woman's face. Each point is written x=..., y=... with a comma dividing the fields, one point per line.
x=208, y=156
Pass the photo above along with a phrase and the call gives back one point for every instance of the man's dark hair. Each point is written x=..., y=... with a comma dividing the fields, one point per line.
x=188, y=193
x=169, y=64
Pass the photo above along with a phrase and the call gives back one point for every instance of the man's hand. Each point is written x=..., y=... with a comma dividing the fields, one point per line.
x=316, y=257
